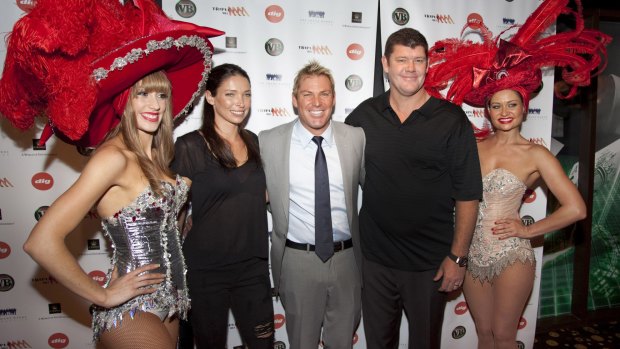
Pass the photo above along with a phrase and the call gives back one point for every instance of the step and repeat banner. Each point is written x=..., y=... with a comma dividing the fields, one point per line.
x=271, y=40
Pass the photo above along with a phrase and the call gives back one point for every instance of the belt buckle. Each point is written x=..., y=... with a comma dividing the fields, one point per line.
x=339, y=246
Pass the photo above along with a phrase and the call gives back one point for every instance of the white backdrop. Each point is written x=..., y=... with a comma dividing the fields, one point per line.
x=271, y=40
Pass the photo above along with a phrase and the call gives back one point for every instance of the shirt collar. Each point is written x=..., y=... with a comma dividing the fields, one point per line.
x=305, y=137
x=426, y=109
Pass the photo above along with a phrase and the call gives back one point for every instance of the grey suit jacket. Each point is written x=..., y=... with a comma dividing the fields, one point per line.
x=275, y=146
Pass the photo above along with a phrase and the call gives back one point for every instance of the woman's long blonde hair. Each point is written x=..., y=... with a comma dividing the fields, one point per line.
x=162, y=148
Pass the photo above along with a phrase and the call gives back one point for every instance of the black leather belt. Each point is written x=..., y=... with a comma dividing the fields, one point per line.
x=338, y=246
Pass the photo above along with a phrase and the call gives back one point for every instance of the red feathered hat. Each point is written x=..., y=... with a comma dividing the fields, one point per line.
x=71, y=61
x=477, y=70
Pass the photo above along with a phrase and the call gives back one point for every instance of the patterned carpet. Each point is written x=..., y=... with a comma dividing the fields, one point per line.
x=604, y=335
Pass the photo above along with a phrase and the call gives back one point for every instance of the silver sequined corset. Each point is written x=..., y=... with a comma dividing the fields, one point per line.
x=488, y=256
x=146, y=232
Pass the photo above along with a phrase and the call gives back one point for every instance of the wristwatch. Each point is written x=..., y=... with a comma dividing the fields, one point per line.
x=461, y=261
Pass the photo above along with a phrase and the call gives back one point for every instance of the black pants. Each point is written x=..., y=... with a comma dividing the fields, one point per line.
x=243, y=288
x=387, y=292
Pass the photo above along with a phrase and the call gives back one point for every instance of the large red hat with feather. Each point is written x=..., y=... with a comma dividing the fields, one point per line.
x=477, y=70
x=71, y=61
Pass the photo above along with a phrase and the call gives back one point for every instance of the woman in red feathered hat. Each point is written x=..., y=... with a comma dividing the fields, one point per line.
x=118, y=91
x=500, y=76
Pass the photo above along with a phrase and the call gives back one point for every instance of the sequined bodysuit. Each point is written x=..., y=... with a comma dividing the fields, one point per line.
x=146, y=232
x=488, y=256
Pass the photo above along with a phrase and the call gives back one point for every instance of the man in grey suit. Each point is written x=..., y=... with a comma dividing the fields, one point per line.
x=313, y=167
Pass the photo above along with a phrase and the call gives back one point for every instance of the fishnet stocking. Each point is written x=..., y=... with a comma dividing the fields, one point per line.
x=144, y=331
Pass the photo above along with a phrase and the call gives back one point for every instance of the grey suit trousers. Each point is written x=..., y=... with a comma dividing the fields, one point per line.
x=314, y=293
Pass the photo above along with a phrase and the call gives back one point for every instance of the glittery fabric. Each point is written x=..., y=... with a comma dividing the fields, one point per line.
x=488, y=256
x=146, y=232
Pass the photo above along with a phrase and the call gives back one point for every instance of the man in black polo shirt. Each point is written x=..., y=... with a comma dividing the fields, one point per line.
x=420, y=199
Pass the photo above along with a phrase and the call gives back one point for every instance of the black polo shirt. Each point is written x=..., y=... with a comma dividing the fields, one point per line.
x=415, y=171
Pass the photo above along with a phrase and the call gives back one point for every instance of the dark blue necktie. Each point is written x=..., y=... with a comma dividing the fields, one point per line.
x=323, y=231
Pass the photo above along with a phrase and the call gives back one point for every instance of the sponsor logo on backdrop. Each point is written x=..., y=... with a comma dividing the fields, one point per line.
x=440, y=18
x=522, y=323
x=474, y=21
x=15, y=344
x=400, y=16
x=58, y=340
x=274, y=111
x=475, y=113
x=458, y=332
x=273, y=77
x=36, y=146
x=4, y=152
x=93, y=244
x=26, y=5
x=356, y=17
x=232, y=326
x=279, y=345
x=42, y=181
x=231, y=42
x=278, y=320
x=5, y=183
x=185, y=8
x=6, y=282
x=508, y=21
x=520, y=345
x=274, y=14
x=98, y=276
x=529, y=196
x=316, y=14
x=527, y=220
x=54, y=308
x=237, y=11
x=5, y=250
x=348, y=111
x=533, y=111
x=40, y=212
x=460, y=308
x=355, y=52
x=316, y=49
x=44, y=280
x=353, y=82
x=539, y=141
x=10, y=314
x=274, y=47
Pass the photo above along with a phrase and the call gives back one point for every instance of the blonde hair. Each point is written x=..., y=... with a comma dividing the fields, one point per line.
x=162, y=148
x=313, y=68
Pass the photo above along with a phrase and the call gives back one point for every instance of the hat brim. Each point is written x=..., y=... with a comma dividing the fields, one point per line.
x=183, y=55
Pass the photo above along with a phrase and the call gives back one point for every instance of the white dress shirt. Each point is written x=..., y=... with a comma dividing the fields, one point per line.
x=301, y=196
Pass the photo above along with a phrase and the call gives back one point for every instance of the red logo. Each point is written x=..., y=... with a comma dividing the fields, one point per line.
x=474, y=21
x=278, y=320
x=460, y=308
x=98, y=276
x=5, y=250
x=355, y=52
x=274, y=13
x=42, y=181
x=26, y=5
x=529, y=196
x=58, y=340
x=522, y=323
x=355, y=338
